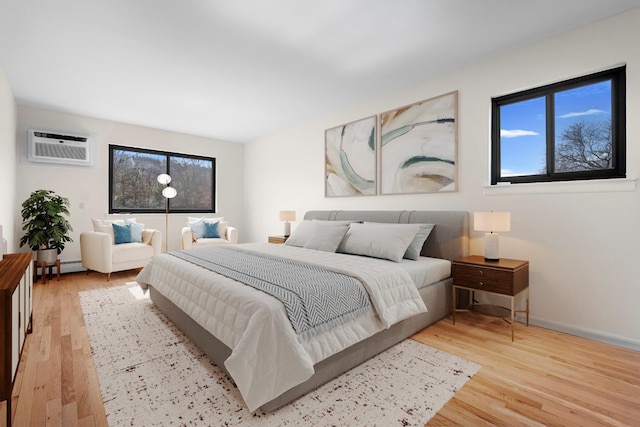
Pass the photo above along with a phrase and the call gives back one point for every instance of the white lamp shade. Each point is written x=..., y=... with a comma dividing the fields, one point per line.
x=492, y=221
x=164, y=179
x=169, y=192
x=287, y=215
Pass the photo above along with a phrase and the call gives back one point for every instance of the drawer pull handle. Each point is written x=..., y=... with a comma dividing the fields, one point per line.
x=480, y=272
x=480, y=283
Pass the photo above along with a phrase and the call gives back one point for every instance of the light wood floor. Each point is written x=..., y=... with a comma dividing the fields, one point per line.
x=544, y=378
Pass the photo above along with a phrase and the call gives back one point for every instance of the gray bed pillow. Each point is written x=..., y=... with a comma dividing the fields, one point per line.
x=380, y=240
x=326, y=237
x=301, y=234
x=306, y=230
x=415, y=247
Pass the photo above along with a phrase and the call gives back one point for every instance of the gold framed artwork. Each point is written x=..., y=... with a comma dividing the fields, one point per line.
x=418, y=147
x=350, y=159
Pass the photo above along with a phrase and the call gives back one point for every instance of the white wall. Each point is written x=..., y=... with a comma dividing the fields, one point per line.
x=581, y=240
x=87, y=188
x=8, y=201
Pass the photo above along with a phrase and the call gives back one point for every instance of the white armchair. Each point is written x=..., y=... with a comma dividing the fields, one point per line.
x=228, y=236
x=99, y=252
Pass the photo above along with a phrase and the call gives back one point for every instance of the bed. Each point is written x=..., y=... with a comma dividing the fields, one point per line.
x=241, y=330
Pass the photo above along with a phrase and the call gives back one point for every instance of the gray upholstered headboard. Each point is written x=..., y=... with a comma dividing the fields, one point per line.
x=449, y=238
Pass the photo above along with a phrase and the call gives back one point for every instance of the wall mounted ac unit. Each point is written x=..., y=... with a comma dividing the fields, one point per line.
x=59, y=148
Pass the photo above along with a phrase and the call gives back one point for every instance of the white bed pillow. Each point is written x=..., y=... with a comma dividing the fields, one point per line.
x=301, y=235
x=326, y=237
x=387, y=241
x=415, y=247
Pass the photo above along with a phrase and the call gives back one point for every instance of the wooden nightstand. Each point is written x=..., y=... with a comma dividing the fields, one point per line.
x=507, y=277
x=278, y=239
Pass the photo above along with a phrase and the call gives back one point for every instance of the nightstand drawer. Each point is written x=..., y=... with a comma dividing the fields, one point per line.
x=486, y=279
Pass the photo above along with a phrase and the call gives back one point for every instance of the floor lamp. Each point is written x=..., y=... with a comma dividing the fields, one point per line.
x=168, y=193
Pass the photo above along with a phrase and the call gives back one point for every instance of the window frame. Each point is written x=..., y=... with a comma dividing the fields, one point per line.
x=617, y=76
x=168, y=155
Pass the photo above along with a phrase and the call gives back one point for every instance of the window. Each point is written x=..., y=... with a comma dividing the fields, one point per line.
x=134, y=186
x=571, y=130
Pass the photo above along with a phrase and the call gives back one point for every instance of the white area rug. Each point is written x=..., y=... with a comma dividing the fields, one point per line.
x=151, y=374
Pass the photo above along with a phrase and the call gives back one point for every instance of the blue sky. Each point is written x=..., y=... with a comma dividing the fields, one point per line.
x=522, y=131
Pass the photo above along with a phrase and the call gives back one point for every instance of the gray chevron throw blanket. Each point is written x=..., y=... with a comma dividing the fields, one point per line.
x=315, y=299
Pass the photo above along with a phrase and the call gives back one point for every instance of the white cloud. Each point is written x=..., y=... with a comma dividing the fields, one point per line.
x=581, y=113
x=514, y=133
x=509, y=172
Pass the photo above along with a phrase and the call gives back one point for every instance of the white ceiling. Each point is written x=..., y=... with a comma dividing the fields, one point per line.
x=237, y=70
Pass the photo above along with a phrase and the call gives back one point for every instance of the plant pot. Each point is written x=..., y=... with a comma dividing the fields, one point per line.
x=48, y=256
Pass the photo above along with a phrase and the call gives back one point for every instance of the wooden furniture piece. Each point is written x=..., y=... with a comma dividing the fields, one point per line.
x=506, y=277
x=43, y=267
x=16, y=285
x=278, y=239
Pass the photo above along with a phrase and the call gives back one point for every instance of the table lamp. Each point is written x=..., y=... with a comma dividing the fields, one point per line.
x=287, y=216
x=491, y=222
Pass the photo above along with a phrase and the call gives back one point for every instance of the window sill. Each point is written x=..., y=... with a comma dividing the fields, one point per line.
x=559, y=187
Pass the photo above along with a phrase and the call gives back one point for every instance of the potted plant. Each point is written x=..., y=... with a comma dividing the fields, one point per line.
x=46, y=227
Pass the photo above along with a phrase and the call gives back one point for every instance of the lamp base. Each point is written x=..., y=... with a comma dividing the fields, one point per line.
x=287, y=229
x=491, y=247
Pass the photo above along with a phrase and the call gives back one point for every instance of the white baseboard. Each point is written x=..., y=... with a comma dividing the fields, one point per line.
x=71, y=266
x=592, y=334
x=604, y=337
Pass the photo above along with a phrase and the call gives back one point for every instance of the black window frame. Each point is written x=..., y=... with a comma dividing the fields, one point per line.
x=617, y=76
x=168, y=155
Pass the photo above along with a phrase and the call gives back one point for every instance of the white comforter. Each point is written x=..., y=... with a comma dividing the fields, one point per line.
x=267, y=357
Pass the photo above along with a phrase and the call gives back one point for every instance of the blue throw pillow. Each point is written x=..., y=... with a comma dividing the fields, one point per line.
x=211, y=230
x=136, y=230
x=197, y=228
x=121, y=233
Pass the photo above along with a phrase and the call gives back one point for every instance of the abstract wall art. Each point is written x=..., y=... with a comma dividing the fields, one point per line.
x=350, y=159
x=418, y=147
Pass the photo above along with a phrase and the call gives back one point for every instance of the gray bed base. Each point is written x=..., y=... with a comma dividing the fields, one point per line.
x=448, y=240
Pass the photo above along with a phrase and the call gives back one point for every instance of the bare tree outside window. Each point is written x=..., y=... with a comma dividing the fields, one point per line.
x=134, y=177
x=134, y=186
x=192, y=179
x=585, y=146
